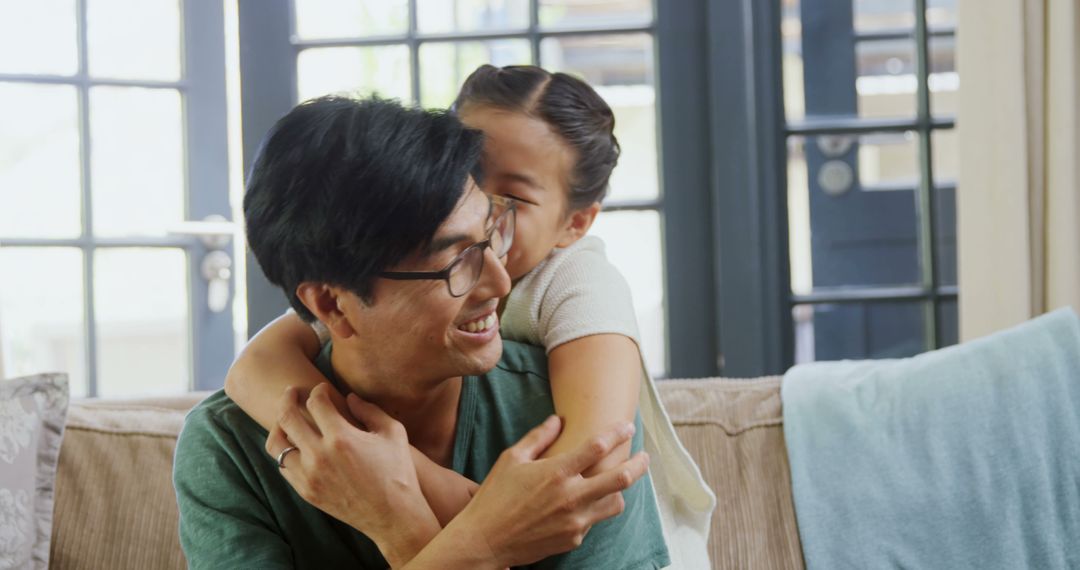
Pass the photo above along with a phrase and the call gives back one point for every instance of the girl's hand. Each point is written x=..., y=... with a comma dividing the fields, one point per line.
x=364, y=478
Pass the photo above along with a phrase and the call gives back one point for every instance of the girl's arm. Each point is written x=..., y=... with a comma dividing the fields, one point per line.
x=594, y=383
x=281, y=355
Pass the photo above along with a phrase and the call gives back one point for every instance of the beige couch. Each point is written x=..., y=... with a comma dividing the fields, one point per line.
x=115, y=507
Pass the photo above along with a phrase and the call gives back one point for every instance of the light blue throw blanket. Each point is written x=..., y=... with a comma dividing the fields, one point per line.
x=966, y=457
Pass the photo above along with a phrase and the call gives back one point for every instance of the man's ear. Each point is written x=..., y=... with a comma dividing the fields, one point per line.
x=325, y=302
x=578, y=224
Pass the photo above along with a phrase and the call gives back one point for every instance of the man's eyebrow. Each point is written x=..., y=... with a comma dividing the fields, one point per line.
x=443, y=243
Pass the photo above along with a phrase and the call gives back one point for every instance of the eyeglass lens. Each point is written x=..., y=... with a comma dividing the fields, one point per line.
x=466, y=272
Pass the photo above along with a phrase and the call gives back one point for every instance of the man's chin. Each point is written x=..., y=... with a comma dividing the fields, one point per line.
x=482, y=359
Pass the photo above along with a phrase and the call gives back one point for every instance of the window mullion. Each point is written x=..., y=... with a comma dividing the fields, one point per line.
x=89, y=314
x=927, y=211
x=534, y=31
x=414, y=53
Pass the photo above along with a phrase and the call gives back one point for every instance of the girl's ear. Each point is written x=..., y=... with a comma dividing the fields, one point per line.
x=578, y=224
x=325, y=302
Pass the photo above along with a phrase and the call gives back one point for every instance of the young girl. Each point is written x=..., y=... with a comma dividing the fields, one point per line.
x=550, y=147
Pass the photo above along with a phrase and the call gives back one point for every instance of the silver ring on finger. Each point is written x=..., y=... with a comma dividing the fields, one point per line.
x=281, y=456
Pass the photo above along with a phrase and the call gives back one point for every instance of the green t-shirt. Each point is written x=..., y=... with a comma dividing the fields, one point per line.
x=237, y=511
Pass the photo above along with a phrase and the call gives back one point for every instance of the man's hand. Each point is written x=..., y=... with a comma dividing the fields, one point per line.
x=529, y=508
x=365, y=479
x=526, y=509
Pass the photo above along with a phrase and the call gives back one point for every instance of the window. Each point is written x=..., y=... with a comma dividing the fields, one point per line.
x=870, y=91
x=420, y=51
x=112, y=135
x=819, y=215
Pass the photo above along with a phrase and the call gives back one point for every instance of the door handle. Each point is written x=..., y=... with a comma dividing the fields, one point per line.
x=215, y=232
x=217, y=270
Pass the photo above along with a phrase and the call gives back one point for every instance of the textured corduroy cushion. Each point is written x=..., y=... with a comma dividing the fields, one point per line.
x=734, y=430
x=115, y=506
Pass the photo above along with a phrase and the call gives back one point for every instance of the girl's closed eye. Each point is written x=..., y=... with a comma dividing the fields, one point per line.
x=520, y=200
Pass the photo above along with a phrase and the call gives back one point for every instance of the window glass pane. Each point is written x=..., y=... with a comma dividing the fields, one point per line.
x=141, y=307
x=41, y=313
x=941, y=13
x=827, y=71
x=634, y=247
x=851, y=208
x=38, y=37
x=441, y=16
x=355, y=71
x=792, y=69
x=882, y=329
x=944, y=81
x=445, y=65
x=945, y=159
x=886, y=81
x=946, y=155
x=877, y=15
x=321, y=19
x=594, y=13
x=798, y=207
x=791, y=34
x=39, y=161
x=945, y=235
x=620, y=68
x=886, y=160
x=134, y=39
x=137, y=163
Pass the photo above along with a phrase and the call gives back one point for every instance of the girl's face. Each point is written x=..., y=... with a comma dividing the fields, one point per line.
x=527, y=161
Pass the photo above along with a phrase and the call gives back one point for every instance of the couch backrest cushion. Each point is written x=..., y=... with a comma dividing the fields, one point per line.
x=734, y=430
x=115, y=506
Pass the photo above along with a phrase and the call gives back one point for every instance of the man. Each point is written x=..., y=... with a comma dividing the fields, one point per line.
x=342, y=194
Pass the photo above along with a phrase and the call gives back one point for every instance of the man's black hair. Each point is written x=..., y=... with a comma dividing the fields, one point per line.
x=342, y=189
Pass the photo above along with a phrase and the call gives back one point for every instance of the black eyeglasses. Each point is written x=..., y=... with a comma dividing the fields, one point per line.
x=462, y=274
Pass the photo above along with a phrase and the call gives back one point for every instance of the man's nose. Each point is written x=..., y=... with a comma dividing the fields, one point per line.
x=494, y=280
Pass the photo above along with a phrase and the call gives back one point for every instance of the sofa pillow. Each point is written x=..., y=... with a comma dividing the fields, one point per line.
x=32, y=413
x=115, y=506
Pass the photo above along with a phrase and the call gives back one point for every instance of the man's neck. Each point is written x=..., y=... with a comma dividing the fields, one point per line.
x=427, y=409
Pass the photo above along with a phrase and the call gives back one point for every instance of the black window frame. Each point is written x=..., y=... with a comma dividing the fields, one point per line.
x=724, y=132
x=723, y=162
x=930, y=292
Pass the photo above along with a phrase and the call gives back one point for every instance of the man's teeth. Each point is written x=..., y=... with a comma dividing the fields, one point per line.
x=479, y=325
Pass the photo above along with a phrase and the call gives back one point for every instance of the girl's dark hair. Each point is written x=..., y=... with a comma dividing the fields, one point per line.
x=567, y=104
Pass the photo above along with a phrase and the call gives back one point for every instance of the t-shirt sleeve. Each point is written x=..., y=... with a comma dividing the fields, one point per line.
x=586, y=296
x=223, y=521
